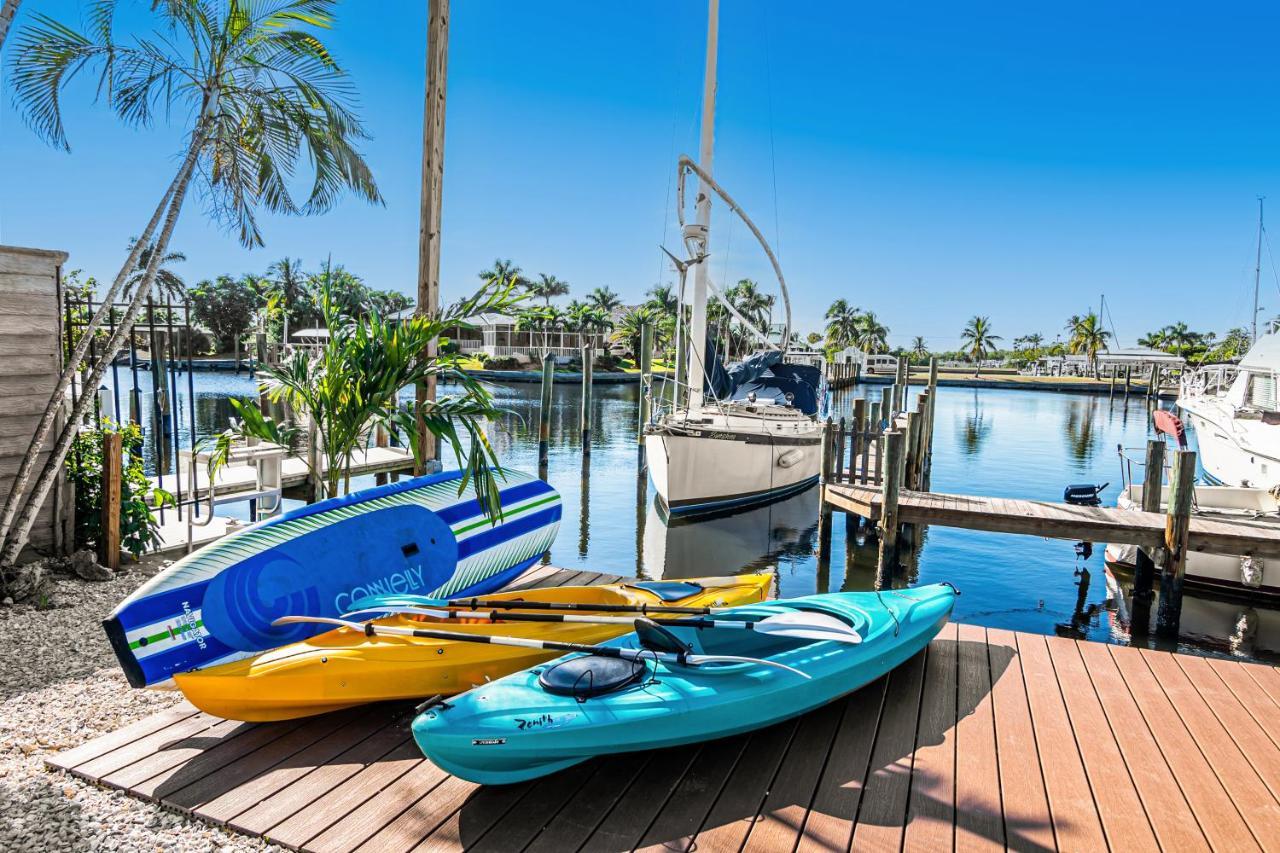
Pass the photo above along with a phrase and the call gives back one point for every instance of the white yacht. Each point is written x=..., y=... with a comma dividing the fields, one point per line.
x=750, y=433
x=1237, y=417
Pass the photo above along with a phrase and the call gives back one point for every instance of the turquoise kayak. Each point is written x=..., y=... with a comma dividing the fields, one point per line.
x=558, y=714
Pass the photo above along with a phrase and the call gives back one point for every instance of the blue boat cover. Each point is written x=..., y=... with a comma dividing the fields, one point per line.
x=767, y=376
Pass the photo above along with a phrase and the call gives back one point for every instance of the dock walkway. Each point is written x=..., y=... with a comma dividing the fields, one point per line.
x=989, y=739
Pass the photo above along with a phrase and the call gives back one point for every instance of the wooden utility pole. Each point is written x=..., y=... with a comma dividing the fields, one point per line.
x=112, y=464
x=430, y=207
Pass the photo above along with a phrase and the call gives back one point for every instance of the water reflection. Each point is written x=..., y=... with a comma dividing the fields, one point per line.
x=1078, y=430
x=974, y=427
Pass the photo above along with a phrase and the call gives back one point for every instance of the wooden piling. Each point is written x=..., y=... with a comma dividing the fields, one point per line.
x=1128, y=377
x=824, y=506
x=929, y=417
x=645, y=358
x=588, y=357
x=544, y=410
x=909, y=451
x=857, y=436
x=315, y=485
x=1144, y=571
x=838, y=462
x=380, y=439
x=1153, y=386
x=1176, y=530
x=112, y=465
x=1111, y=395
x=891, y=465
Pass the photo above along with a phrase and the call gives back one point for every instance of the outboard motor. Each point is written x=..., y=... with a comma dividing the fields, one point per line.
x=1083, y=494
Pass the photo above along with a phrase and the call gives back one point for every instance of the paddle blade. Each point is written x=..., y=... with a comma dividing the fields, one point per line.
x=805, y=625
x=383, y=603
x=398, y=610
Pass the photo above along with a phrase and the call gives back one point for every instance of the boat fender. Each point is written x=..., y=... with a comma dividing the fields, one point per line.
x=791, y=457
x=1251, y=571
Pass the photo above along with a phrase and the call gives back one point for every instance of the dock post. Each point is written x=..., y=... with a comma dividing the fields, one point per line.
x=857, y=436
x=824, y=506
x=909, y=452
x=918, y=449
x=1111, y=395
x=315, y=482
x=588, y=356
x=112, y=464
x=1153, y=386
x=1144, y=571
x=928, y=422
x=544, y=411
x=645, y=358
x=838, y=466
x=1177, y=526
x=1128, y=376
x=380, y=439
x=884, y=419
x=892, y=466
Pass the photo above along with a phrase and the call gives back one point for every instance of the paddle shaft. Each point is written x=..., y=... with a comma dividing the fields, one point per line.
x=479, y=603
x=763, y=626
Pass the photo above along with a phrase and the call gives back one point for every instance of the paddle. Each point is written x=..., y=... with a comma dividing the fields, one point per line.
x=387, y=602
x=680, y=658
x=797, y=625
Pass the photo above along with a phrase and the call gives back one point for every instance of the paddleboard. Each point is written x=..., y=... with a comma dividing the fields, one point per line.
x=417, y=536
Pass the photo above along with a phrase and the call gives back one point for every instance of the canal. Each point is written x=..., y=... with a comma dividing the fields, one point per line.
x=1006, y=443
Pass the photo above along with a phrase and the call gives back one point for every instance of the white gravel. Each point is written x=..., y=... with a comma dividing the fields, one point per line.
x=59, y=687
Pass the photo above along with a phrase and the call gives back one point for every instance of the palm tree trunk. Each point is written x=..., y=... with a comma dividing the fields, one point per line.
x=7, y=13
x=72, y=365
x=21, y=531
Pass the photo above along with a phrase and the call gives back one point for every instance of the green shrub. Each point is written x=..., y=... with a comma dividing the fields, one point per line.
x=139, y=526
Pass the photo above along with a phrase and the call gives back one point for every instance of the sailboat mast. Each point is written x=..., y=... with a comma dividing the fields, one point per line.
x=1257, y=271
x=698, y=323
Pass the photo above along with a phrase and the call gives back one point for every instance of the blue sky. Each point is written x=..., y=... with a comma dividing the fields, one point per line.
x=932, y=160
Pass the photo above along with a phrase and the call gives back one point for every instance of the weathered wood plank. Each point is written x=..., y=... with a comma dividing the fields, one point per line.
x=526, y=818
x=146, y=746
x=485, y=807
x=570, y=827
x=71, y=758
x=979, y=822
x=624, y=826
x=369, y=817
x=685, y=810
x=735, y=810
x=21, y=259
x=931, y=809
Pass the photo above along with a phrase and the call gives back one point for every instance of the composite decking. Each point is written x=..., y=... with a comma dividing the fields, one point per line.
x=989, y=739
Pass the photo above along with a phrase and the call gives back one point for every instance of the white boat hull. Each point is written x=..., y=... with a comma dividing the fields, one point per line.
x=719, y=468
x=1225, y=453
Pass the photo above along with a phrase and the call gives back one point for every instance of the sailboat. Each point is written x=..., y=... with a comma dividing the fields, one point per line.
x=749, y=433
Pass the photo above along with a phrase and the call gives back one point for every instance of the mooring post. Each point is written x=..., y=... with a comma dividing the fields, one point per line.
x=112, y=465
x=920, y=450
x=380, y=439
x=1177, y=526
x=588, y=356
x=885, y=418
x=1111, y=395
x=824, y=508
x=1144, y=571
x=315, y=482
x=856, y=437
x=838, y=463
x=909, y=451
x=1153, y=388
x=892, y=468
x=544, y=409
x=646, y=378
x=1128, y=376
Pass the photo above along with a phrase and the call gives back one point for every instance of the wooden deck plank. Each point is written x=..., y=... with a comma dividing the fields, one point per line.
x=99, y=746
x=979, y=823
x=1246, y=690
x=485, y=807
x=420, y=819
x=570, y=828
x=1256, y=804
x=291, y=768
x=1114, y=794
x=187, y=762
x=731, y=818
x=931, y=808
x=1172, y=818
x=145, y=747
x=1024, y=801
x=1218, y=816
x=882, y=809
x=782, y=816
x=685, y=810
x=1076, y=825
x=386, y=804
x=515, y=829
x=278, y=807
x=829, y=823
x=623, y=828
x=1267, y=679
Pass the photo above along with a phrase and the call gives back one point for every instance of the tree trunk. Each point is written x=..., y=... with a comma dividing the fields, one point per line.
x=73, y=360
x=19, y=534
x=7, y=13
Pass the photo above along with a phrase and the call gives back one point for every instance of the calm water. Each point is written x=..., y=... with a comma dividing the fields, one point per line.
x=990, y=442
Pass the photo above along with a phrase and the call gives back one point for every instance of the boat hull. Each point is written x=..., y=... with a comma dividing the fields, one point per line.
x=512, y=730
x=418, y=536
x=713, y=470
x=344, y=668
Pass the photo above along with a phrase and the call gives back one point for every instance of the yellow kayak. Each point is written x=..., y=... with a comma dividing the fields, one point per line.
x=345, y=667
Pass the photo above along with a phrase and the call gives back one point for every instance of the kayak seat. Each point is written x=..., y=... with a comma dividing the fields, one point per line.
x=590, y=675
x=668, y=590
x=655, y=638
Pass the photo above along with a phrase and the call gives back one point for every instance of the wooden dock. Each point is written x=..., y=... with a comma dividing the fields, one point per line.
x=1057, y=520
x=989, y=739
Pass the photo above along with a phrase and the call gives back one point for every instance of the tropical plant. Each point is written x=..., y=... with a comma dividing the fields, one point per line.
x=629, y=325
x=662, y=297
x=536, y=319
x=843, y=321
x=503, y=271
x=262, y=92
x=604, y=299
x=1088, y=338
x=226, y=307
x=919, y=348
x=297, y=304
x=353, y=384
x=813, y=338
x=546, y=287
x=139, y=526
x=978, y=341
x=167, y=282
x=871, y=336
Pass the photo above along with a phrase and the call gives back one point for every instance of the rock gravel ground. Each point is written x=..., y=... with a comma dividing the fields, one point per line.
x=59, y=687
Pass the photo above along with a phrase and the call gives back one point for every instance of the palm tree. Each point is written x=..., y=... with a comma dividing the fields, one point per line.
x=1179, y=339
x=1088, y=338
x=579, y=318
x=502, y=270
x=604, y=299
x=629, y=325
x=872, y=336
x=838, y=308
x=546, y=287
x=978, y=340
x=843, y=322
x=167, y=282
x=919, y=348
x=291, y=286
x=262, y=92
x=662, y=297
